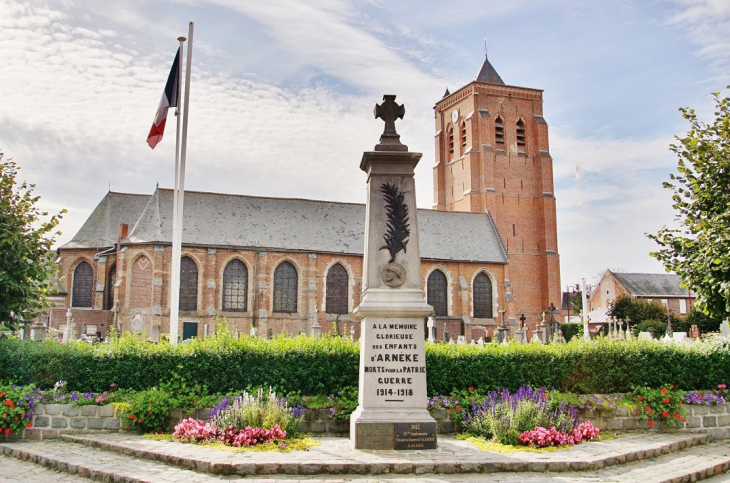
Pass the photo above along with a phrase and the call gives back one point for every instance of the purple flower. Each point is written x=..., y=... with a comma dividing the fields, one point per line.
x=74, y=397
x=297, y=411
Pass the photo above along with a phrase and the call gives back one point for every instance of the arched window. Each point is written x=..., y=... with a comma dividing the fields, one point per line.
x=285, y=288
x=337, y=281
x=451, y=140
x=499, y=132
x=483, y=297
x=83, y=285
x=437, y=293
x=111, y=279
x=463, y=137
x=188, y=284
x=235, y=286
x=521, y=138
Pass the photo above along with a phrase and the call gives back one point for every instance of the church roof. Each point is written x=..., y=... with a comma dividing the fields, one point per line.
x=652, y=284
x=488, y=75
x=101, y=228
x=288, y=224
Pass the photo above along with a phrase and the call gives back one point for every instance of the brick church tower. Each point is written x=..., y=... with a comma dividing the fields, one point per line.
x=492, y=156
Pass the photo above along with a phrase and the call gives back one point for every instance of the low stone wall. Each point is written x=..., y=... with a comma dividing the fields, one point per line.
x=712, y=419
x=52, y=420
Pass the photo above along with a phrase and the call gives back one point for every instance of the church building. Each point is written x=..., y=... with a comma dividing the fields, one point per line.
x=488, y=248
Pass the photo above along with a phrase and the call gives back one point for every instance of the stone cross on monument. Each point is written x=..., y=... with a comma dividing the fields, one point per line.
x=391, y=412
x=389, y=111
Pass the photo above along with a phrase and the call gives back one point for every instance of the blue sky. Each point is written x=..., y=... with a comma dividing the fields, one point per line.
x=283, y=91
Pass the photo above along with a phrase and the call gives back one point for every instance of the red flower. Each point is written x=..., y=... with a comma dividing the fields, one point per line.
x=8, y=430
x=678, y=416
x=650, y=423
x=665, y=400
x=671, y=386
x=140, y=421
x=684, y=420
x=665, y=414
x=664, y=390
x=29, y=425
x=458, y=409
x=149, y=412
x=2, y=394
x=132, y=416
x=471, y=388
x=195, y=403
x=545, y=394
x=451, y=410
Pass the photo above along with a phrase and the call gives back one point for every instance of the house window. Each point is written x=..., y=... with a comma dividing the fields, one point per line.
x=682, y=306
x=337, y=279
x=451, y=140
x=235, y=286
x=521, y=138
x=111, y=279
x=483, y=297
x=437, y=294
x=499, y=132
x=83, y=285
x=188, y=284
x=285, y=288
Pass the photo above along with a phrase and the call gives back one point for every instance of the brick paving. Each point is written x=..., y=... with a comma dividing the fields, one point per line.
x=681, y=462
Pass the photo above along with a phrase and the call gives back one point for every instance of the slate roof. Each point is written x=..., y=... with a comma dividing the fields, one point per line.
x=488, y=74
x=652, y=284
x=102, y=227
x=224, y=220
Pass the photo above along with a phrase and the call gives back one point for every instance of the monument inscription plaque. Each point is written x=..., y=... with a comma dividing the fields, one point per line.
x=391, y=412
x=415, y=435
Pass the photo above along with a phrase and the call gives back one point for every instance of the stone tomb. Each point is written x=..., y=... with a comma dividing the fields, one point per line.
x=391, y=412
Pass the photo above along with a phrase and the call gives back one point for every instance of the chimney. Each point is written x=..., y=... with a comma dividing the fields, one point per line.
x=123, y=231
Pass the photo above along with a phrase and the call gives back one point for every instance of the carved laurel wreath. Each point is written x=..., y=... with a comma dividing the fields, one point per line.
x=397, y=233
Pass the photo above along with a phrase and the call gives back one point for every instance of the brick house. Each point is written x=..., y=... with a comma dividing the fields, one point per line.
x=664, y=288
x=489, y=248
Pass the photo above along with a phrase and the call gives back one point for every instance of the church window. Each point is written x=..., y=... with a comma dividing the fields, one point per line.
x=521, y=138
x=83, y=285
x=437, y=293
x=285, y=288
x=482, y=297
x=463, y=137
x=337, y=293
x=235, y=286
x=499, y=132
x=188, y=284
x=110, y=281
x=451, y=140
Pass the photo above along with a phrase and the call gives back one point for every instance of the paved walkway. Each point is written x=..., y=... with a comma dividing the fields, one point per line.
x=656, y=458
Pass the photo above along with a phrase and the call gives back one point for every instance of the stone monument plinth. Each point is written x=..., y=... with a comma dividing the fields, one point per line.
x=391, y=412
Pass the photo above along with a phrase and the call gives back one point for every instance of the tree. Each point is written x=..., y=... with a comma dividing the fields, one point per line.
x=699, y=252
x=26, y=266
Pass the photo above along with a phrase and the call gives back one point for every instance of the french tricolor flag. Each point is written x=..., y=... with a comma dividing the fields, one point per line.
x=169, y=99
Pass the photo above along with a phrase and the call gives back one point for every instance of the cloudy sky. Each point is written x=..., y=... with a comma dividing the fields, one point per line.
x=283, y=91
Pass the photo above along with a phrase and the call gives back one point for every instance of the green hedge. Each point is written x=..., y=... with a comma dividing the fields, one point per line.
x=312, y=366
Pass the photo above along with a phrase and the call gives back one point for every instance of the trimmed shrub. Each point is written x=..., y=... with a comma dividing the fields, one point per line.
x=571, y=330
x=324, y=366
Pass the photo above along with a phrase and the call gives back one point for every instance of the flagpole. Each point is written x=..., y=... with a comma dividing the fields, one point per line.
x=178, y=200
x=176, y=248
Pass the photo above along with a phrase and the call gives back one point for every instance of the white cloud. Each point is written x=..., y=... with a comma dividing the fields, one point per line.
x=706, y=23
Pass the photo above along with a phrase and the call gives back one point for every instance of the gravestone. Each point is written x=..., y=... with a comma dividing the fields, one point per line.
x=645, y=336
x=392, y=401
x=694, y=331
x=480, y=342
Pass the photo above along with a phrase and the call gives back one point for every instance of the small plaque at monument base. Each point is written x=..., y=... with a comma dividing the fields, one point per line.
x=414, y=435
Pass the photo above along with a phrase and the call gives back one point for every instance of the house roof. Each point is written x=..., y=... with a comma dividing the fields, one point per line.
x=652, y=284
x=101, y=228
x=215, y=219
x=488, y=74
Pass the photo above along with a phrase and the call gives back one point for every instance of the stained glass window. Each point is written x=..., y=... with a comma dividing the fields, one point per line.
x=483, y=297
x=235, y=286
x=285, y=288
x=437, y=293
x=83, y=285
x=337, y=283
x=188, y=284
